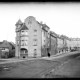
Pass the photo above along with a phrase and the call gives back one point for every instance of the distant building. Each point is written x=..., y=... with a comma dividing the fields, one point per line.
x=66, y=42
x=30, y=38
x=45, y=45
x=60, y=43
x=6, y=46
x=75, y=42
x=53, y=43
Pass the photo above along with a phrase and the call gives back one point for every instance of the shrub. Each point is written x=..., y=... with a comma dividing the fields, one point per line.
x=12, y=53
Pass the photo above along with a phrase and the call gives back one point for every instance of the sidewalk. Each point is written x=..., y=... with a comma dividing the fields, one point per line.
x=58, y=55
x=3, y=61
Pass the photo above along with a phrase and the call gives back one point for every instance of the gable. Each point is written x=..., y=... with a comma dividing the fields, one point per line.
x=24, y=27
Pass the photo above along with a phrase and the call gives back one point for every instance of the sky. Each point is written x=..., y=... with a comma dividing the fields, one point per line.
x=62, y=18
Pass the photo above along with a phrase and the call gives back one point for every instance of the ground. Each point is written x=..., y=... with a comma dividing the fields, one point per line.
x=64, y=66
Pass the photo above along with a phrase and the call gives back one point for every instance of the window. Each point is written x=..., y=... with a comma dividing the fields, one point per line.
x=48, y=35
x=35, y=32
x=44, y=33
x=24, y=32
x=35, y=42
x=24, y=43
x=35, y=52
x=25, y=38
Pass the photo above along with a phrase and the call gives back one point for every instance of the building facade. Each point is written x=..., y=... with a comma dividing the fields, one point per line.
x=53, y=43
x=75, y=43
x=60, y=45
x=66, y=43
x=45, y=40
x=30, y=38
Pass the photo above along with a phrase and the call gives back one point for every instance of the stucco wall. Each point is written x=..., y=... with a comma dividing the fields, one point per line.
x=53, y=45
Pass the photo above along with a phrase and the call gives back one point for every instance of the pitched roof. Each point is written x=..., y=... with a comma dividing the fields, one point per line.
x=13, y=46
x=53, y=34
x=24, y=27
x=44, y=25
x=5, y=44
x=19, y=22
x=64, y=37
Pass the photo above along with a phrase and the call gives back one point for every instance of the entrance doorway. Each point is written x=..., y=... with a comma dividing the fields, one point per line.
x=23, y=52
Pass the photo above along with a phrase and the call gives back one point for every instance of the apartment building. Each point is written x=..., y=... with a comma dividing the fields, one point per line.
x=30, y=37
x=53, y=43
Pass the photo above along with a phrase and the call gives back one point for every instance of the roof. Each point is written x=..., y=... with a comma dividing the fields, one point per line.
x=44, y=25
x=24, y=27
x=5, y=44
x=19, y=22
x=38, y=22
x=64, y=37
x=13, y=46
x=53, y=34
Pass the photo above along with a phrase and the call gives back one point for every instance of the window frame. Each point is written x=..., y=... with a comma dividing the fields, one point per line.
x=35, y=42
x=35, y=32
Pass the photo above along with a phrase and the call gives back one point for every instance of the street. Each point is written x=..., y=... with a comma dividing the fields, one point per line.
x=66, y=66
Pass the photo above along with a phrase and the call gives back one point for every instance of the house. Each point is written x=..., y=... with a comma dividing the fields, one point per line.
x=30, y=37
x=5, y=48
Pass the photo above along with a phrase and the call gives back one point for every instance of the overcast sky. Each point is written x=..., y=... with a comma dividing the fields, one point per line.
x=62, y=18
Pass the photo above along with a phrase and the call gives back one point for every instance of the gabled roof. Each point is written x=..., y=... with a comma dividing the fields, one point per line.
x=5, y=44
x=19, y=22
x=24, y=27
